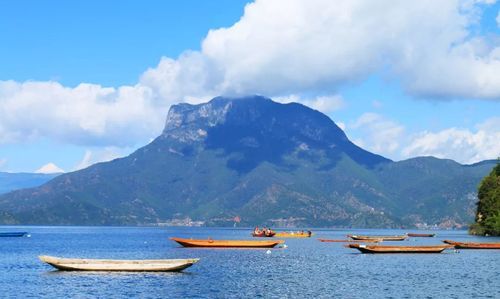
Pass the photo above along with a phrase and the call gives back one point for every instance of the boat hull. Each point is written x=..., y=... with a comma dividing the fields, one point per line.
x=227, y=243
x=346, y=241
x=378, y=238
x=263, y=235
x=399, y=249
x=292, y=235
x=415, y=235
x=66, y=264
x=13, y=234
x=473, y=245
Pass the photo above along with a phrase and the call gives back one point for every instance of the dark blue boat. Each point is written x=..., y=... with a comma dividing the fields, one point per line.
x=14, y=234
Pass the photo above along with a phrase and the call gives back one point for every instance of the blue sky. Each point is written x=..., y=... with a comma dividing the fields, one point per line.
x=105, y=42
x=88, y=81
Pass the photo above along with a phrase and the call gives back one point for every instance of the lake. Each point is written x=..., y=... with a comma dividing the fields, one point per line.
x=306, y=268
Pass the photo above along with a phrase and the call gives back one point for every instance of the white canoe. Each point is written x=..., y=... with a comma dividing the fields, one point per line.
x=118, y=265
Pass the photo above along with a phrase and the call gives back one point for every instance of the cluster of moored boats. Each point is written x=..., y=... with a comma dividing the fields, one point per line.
x=370, y=244
x=377, y=248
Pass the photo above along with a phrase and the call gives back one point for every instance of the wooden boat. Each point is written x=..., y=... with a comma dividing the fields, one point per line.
x=347, y=241
x=398, y=249
x=420, y=235
x=473, y=245
x=227, y=243
x=264, y=235
x=13, y=234
x=379, y=238
x=293, y=235
x=118, y=265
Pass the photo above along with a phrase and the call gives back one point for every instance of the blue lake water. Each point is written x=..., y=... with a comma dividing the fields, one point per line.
x=307, y=268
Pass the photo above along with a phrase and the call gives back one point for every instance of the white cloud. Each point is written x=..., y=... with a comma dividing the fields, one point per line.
x=49, y=168
x=91, y=157
x=277, y=48
x=461, y=145
x=325, y=104
x=380, y=135
x=85, y=162
x=387, y=137
x=314, y=45
x=317, y=46
x=86, y=114
x=498, y=19
x=190, y=76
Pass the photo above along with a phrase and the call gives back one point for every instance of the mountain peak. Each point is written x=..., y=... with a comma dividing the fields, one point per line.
x=212, y=112
x=257, y=129
x=49, y=168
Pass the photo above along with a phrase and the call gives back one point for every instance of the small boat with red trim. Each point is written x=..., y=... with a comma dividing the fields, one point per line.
x=473, y=245
x=398, y=249
x=263, y=233
x=227, y=243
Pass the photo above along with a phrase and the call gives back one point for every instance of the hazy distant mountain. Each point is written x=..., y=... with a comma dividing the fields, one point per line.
x=14, y=181
x=265, y=162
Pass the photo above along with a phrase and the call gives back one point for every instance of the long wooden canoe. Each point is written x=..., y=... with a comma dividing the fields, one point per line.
x=293, y=235
x=227, y=243
x=420, y=235
x=118, y=265
x=473, y=245
x=13, y=234
x=398, y=249
x=347, y=241
x=379, y=238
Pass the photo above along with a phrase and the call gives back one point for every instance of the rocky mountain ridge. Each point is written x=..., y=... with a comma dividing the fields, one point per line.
x=254, y=161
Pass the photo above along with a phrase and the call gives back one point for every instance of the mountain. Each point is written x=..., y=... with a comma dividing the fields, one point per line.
x=13, y=181
x=259, y=162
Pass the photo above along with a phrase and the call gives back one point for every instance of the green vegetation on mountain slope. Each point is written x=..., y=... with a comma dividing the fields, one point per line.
x=258, y=161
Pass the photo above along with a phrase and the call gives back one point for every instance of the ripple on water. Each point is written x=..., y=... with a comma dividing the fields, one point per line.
x=306, y=269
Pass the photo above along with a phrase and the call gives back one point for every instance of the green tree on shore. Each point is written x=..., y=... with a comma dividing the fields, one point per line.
x=488, y=207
